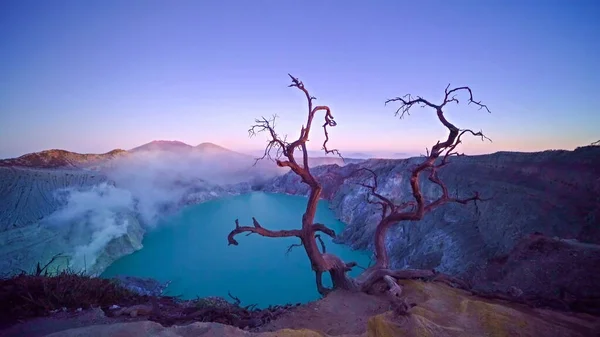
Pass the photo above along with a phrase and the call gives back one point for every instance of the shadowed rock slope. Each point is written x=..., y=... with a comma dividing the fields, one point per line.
x=28, y=195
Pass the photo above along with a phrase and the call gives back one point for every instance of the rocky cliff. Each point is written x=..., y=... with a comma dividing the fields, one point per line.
x=48, y=212
x=556, y=193
x=28, y=195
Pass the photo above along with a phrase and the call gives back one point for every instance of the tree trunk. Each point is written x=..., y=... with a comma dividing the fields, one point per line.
x=380, y=250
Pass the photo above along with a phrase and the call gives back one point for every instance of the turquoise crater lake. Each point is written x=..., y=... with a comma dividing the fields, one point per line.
x=190, y=250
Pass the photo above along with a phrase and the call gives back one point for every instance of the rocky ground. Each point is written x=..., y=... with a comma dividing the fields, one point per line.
x=438, y=310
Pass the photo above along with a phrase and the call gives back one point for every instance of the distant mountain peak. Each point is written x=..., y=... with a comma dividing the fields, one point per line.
x=170, y=142
x=162, y=145
x=212, y=148
x=57, y=158
x=209, y=145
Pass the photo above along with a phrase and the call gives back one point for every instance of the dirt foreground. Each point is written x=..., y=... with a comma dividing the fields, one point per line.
x=439, y=311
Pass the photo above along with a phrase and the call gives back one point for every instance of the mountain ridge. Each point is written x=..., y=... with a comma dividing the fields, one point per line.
x=60, y=158
x=162, y=145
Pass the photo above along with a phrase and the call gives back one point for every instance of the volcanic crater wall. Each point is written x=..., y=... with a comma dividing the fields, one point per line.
x=556, y=193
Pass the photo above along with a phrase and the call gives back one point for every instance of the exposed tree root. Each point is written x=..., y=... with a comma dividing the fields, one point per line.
x=395, y=289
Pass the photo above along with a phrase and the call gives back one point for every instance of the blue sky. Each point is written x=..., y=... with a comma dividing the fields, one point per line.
x=90, y=76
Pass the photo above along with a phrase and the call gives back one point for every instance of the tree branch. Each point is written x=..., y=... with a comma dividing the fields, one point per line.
x=407, y=102
x=317, y=237
x=323, y=248
x=454, y=99
x=283, y=148
x=258, y=229
x=329, y=120
x=275, y=142
x=324, y=229
x=292, y=246
x=373, y=188
x=385, y=203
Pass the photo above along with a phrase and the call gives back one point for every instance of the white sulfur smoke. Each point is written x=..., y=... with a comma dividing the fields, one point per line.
x=90, y=219
x=148, y=185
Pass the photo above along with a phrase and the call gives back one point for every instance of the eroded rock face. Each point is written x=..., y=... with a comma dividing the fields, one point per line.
x=28, y=195
x=556, y=193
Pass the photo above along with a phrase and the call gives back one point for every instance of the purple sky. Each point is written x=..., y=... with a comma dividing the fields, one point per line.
x=90, y=76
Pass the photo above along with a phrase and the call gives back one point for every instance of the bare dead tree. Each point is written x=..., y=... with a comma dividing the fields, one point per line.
x=392, y=213
x=285, y=156
x=436, y=158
